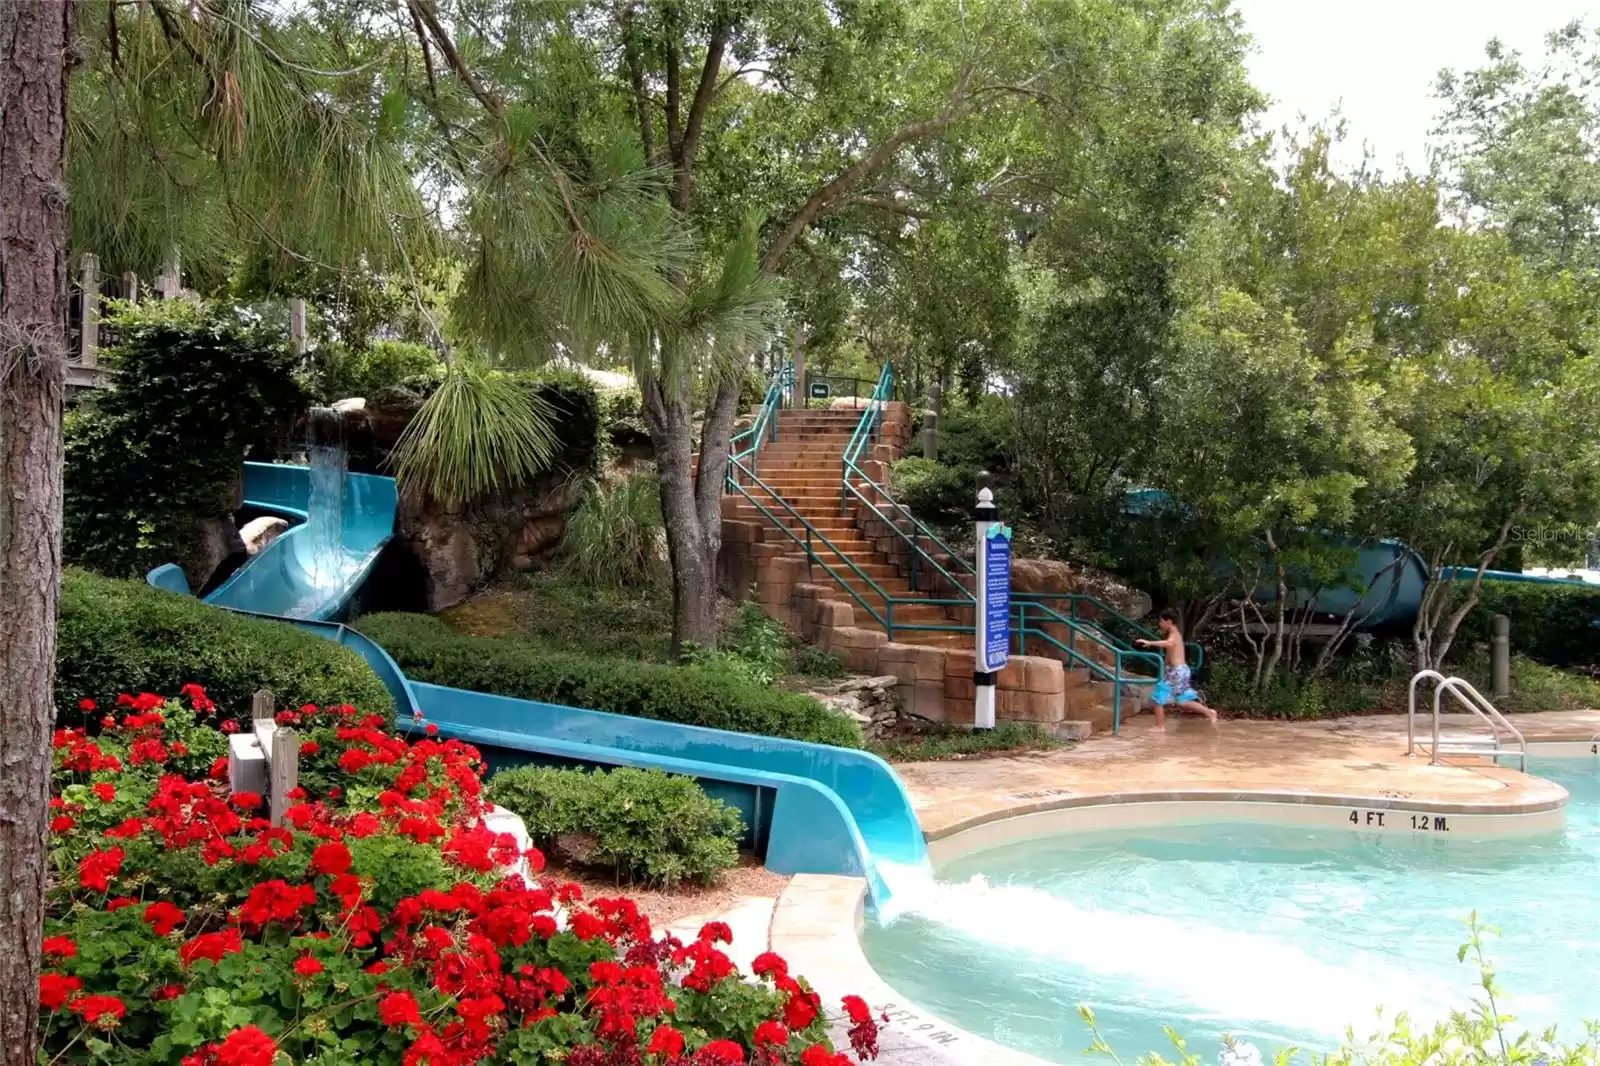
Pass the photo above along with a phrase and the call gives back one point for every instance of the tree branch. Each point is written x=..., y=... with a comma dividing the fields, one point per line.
x=684, y=161
x=423, y=10
x=894, y=207
x=827, y=197
x=674, y=63
x=641, y=100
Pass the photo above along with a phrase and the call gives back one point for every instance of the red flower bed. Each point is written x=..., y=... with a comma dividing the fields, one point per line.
x=376, y=924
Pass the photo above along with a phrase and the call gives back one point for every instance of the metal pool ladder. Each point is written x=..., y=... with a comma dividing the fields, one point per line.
x=1471, y=744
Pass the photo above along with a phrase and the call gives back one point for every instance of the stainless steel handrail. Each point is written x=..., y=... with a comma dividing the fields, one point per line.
x=1468, y=697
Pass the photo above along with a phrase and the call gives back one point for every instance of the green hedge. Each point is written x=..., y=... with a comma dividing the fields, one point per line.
x=646, y=825
x=124, y=636
x=1554, y=624
x=152, y=464
x=429, y=651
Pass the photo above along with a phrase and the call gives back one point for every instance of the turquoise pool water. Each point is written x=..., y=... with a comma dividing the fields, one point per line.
x=1280, y=936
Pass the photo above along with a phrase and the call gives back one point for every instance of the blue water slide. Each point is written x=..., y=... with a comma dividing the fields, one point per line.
x=1387, y=580
x=807, y=808
x=313, y=570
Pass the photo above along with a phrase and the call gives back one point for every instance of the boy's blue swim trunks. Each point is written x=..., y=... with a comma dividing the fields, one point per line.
x=1174, y=687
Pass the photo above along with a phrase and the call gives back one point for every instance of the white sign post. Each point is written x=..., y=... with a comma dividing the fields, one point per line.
x=992, y=619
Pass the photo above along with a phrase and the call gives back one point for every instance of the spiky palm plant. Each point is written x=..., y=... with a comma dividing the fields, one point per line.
x=481, y=432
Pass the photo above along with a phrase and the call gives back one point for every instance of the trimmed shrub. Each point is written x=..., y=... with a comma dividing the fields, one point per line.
x=690, y=695
x=124, y=636
x=647, y=825
x=153, y=465
x=1554, y=624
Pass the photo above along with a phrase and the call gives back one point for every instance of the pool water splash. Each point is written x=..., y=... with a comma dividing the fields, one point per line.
x=1222, y=973
x=1278, y=935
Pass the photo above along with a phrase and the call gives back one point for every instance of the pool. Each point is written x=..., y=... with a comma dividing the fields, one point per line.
x=1278, y=935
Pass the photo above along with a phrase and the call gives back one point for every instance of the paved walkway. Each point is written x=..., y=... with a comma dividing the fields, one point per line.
x=1339, y=757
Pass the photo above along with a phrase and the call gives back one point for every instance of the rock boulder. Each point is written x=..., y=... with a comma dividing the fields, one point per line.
x=1051, y=575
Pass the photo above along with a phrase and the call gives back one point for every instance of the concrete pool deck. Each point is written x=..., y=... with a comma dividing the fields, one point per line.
x=1281, y=767
x=1334, y=762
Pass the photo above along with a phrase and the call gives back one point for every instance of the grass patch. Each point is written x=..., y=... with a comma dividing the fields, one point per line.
x=930, y=742
x=558, y=613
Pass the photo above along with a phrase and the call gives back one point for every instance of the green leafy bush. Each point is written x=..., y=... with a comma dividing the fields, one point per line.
x=199, y=388
x=691, y=695
x=342, y=372
x=978, y=438
x=934, y=492
x=755, y=647
x=119, y=636
x=614, y=539
x=953, y=742
x=1555, y=624
x=646, y=825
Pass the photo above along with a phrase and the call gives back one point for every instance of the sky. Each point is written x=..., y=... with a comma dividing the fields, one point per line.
x=1379, y=59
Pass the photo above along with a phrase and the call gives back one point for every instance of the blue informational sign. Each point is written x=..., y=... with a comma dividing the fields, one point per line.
x=995, y=646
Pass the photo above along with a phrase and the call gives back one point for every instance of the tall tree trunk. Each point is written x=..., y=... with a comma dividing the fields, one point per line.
x=691, y=500
x=33, y=290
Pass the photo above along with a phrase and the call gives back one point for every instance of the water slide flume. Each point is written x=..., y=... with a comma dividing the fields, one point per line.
x=808, y=808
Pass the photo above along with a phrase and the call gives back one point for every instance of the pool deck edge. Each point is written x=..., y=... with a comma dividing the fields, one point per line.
x=1404, y=804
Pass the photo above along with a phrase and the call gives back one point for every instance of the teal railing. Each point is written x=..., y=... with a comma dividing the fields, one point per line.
x=1033, y=618
x=747, y=444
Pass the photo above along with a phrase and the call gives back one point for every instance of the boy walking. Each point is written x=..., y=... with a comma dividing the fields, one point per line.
x=1174, y=687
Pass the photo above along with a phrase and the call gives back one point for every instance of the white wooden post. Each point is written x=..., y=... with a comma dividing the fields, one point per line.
x=170, y=282
x=297, y=326
x=89, y=310
x=283, y=772
x=130, y=282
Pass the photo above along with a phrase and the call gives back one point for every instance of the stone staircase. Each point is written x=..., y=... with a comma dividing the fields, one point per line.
x=764, y=548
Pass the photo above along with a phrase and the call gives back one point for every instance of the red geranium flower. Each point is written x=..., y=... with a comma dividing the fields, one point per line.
x=105, y=791
x=247, y=1047
x=163, y=917
x=307, y=966
x=86, y=705
x=665, y=1041
x=61, y=946
x=722, y=1051
x=330, y=859
x=247, y=801
x=211, y=946
x=712, y=932
x=771, y=1033
x=399, y=1008
x=55, y=989
x=104, y=1011
x=98, y=868
x=770, y=963
x=857, y=1009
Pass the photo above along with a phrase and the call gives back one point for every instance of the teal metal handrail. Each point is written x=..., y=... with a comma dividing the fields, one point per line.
x=809, y=542
x=866, y=429
x=1117, y=674
x=1075, y=600
x=1031, y=614
x=763, y=428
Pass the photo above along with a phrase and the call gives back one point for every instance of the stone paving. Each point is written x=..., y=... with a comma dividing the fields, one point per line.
x=1339, y=757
